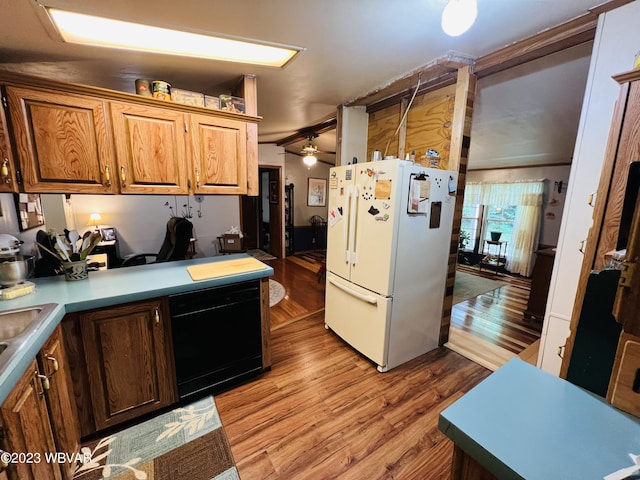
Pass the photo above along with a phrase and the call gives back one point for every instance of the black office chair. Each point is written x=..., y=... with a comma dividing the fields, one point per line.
x=174, y=247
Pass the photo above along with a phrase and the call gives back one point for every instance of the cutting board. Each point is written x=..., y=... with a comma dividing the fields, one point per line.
x=206, y=271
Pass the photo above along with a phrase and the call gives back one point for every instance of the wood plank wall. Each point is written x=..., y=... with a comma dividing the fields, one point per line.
x=460, y=140
x=438, y=120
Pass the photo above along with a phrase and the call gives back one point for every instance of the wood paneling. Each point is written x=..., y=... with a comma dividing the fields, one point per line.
x=382, y=127
x=429, y=124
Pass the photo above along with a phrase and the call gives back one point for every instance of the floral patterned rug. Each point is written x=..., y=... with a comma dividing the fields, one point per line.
x=186, y=443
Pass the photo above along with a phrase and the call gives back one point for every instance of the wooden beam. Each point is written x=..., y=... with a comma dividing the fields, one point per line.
x=304, y=133
x=561, y=37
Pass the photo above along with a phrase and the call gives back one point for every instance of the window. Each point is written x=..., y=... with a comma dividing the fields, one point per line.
x=499, y=219
x=471, y=223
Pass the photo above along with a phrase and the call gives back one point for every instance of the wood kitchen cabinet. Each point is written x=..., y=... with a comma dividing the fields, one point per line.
x=8, y=183
x=62, y=141
x=52, y=361
x=151, y=149
x=129, y=361
x=616, y=227
x=219, y=155
x=79, y=139
x=26, y=429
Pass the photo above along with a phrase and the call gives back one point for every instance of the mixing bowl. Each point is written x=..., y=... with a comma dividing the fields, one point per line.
x=16, y=269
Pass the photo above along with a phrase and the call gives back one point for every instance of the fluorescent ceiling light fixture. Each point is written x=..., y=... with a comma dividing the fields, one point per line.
x=105, y=32
x=458, y=16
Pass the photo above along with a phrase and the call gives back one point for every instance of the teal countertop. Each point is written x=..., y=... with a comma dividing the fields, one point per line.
x=524, y=423
x=102, y=289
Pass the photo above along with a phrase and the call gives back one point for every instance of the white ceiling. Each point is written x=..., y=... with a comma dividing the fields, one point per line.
x=351, y=47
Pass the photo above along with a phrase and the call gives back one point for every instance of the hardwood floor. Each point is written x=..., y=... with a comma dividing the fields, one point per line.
x=497, y=316
x=304, y=293
x=324, y=411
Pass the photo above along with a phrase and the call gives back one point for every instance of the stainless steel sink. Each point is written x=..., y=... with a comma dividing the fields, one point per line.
x=18, y=324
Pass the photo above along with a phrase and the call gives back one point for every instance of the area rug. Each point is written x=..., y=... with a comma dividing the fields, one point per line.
x=260, y=255
x=185, y=443
x=276, y=292
x=469, y=286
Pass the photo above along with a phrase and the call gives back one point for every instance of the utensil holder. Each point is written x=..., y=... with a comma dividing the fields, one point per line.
x=75, y=270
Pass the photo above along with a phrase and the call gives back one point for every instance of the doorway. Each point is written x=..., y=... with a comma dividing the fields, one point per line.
x=262, y=215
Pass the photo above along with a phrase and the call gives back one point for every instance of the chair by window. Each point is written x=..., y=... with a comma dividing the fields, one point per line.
x=174, y=247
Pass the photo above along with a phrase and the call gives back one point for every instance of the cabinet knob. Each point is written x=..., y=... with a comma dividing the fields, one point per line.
x=123, y=177
x=54, y=363
x=156, y=316
x=107, y=176
x=5, y=458
x=4, y=171
x=44, y=382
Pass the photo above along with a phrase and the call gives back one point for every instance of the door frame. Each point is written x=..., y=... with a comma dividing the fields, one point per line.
x=276, y=226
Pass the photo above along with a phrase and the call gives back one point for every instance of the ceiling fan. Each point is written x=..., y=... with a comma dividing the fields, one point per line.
x=309, y=152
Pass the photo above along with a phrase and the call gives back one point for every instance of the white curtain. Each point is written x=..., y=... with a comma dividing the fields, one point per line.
x=527, y=196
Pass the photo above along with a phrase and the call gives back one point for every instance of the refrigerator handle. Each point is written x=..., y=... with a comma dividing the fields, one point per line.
x=364, y=298
x=347, y=224
x=353, y=215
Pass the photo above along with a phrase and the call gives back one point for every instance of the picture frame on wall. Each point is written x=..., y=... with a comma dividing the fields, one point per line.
x=317, y=192
x=273, y=191
x=29, y=210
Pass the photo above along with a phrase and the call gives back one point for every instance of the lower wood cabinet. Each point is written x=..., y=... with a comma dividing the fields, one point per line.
x=53, y=363
x=27, y=429
x=129, y=362
x=39, y=420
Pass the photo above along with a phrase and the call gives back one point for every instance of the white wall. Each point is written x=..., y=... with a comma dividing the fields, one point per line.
x=551, y=214
x=297, y=173
x=9, y=224
x=616, y=43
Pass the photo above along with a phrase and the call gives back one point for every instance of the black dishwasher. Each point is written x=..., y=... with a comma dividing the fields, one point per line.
x=217, y=337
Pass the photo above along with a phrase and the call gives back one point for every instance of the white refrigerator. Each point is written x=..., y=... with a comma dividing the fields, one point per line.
x=388, y=241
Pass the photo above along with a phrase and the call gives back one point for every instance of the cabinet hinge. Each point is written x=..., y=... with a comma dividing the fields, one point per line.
x=19, y=177
x=4, y=101
x=186, y=127
x=628, y=269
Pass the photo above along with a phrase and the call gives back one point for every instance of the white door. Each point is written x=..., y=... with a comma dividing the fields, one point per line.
x=377, y=210
x=360, y=317
x=341, y=182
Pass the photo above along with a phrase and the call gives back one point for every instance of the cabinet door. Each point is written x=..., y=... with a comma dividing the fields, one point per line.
x=53, y=363
x=129, y=360
x=27, y=429
x=61, y=141
x=219, y=155
x=150, y=148
x=7, y=165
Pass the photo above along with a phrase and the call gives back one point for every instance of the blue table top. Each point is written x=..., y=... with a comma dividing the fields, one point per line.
x=524, y=423
x=102, y=289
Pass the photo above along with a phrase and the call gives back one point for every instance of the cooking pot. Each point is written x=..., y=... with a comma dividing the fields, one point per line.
x=15, y=269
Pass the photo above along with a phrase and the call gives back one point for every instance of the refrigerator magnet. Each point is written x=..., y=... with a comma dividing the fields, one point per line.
x=383, y=190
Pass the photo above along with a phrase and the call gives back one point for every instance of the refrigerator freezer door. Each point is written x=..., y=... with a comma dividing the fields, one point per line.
x=360, y=317
x=339, y=217
x=377, y=207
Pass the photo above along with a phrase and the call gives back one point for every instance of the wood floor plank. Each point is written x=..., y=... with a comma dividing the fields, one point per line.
x=325, y=412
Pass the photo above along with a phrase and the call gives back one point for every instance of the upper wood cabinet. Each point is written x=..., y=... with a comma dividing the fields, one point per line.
x=78, y=139
x=150, y=148
x=62, y=141
x=219, y=155
x=8, y=181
